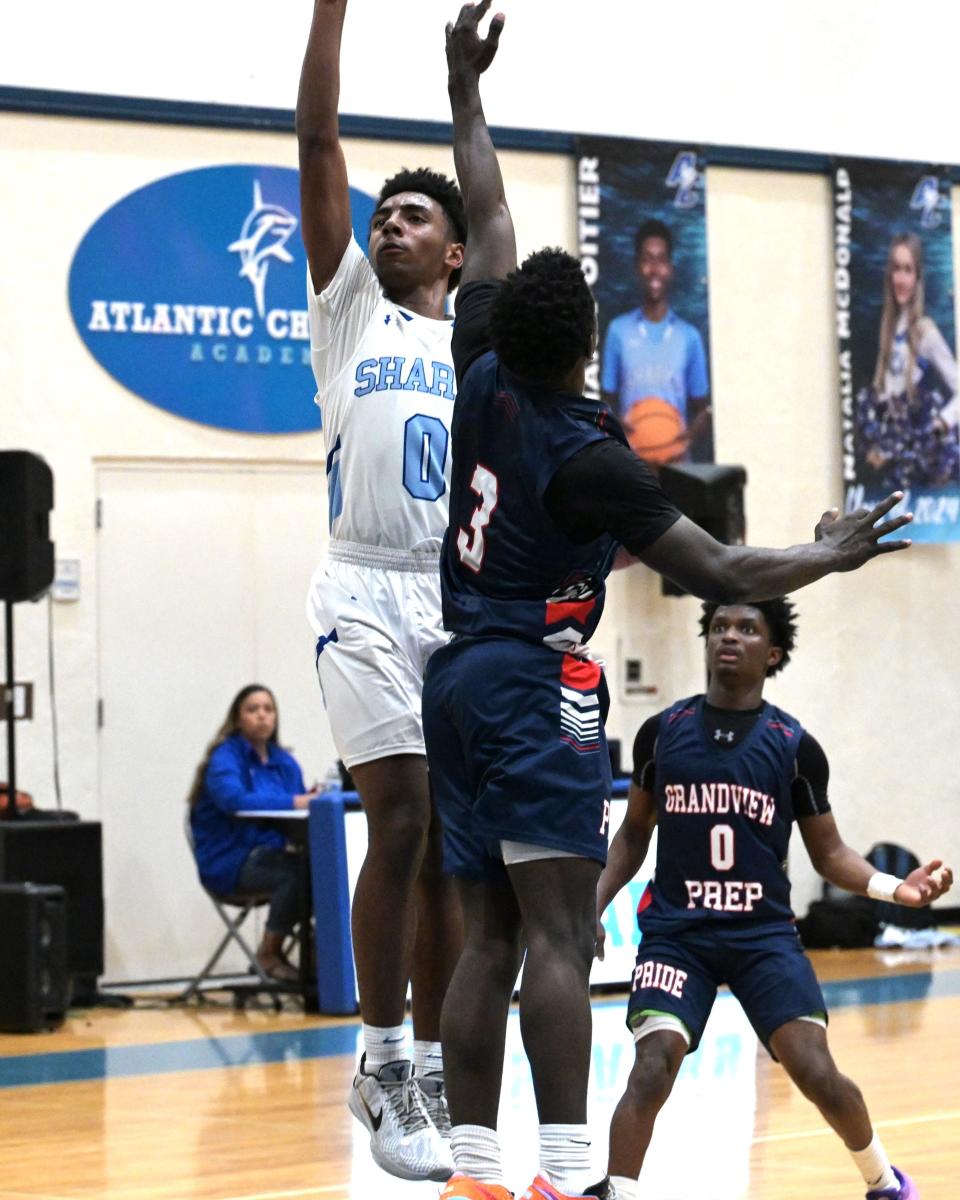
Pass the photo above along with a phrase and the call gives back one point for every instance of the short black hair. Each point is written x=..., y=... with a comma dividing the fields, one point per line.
x=543, y=318
x=653, y=229
x=438, y=187
x=780, y=615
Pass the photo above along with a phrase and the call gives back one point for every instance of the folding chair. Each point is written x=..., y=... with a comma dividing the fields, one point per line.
x=256, y=980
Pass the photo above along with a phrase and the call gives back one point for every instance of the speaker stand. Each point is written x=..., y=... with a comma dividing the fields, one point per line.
x=11, y=813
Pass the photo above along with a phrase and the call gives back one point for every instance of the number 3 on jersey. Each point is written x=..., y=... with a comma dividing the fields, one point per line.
x=471, y=545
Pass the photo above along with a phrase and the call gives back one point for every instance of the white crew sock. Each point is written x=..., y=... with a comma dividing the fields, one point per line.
x=625, y=1188
x=382, y=1045
x=874, y=1166
x=427, y=1058
x=476, y=1152
x=565, y=1158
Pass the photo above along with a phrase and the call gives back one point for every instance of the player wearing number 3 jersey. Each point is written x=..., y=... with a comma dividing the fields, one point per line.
x=723, y=777
x=380, y=346
x=543, y=489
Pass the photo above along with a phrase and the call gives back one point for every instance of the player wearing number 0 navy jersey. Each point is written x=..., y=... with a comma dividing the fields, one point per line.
x=543, y=490
x=380, y=347
x=723, y=777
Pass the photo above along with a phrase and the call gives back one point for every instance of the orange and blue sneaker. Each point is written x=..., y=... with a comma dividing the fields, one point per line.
x=465, y=1187
x=540, y=1189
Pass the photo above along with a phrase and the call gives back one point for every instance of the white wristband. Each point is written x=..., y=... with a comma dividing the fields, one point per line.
x=882, y=886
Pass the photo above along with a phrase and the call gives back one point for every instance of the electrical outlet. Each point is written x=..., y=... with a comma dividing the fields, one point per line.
x=22, y=706
x=633, y=684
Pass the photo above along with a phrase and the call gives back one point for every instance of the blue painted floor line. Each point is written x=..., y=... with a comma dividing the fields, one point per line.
x=161, y=1058
x=236, y=1050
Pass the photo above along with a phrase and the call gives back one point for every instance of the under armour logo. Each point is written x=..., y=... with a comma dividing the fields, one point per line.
x=720, y=736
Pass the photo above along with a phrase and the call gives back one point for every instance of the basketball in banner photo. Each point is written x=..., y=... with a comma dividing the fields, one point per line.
x=655, y=430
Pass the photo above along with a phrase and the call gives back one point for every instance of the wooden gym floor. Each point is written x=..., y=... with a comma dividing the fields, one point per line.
x=212, y=1104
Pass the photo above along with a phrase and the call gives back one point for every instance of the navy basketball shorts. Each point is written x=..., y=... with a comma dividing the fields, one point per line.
x=517, y=752
x=763, y=964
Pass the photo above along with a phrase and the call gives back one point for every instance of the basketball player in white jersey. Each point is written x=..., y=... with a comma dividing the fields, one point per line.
x=380, y=344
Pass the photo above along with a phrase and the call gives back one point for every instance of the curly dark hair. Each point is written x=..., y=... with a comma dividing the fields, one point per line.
x=780, y=615
x=653, y=228
x=544, y=317
x=438, y=187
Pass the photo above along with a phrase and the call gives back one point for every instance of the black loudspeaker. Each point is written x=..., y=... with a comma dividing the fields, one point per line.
x=70, y=855
x=711, y=495
x=26, y=552
x=614, y=747
x=33, y=957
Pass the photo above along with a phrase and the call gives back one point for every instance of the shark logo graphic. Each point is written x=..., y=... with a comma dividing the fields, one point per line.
x=927, y=200
x=264, y=237
x=686, y=178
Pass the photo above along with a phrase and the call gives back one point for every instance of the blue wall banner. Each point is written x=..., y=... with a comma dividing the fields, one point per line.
x=191, y=292
x=893, y=259
x=643, y=245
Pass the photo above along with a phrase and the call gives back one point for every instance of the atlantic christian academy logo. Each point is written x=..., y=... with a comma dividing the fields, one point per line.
x=191, y=292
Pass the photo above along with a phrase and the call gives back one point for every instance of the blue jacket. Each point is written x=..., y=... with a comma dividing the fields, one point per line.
x=237, y=781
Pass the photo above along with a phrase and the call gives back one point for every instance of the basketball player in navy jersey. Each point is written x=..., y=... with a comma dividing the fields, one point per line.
x=723, y=777
x=380, y=347
x=543, y=490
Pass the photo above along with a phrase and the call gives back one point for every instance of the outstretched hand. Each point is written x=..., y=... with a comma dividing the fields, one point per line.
x=466, y=49
x=924, y=885
x=855, y=537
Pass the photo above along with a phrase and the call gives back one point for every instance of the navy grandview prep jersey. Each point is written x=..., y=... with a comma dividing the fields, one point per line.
x=724, y=818
x=507, y=569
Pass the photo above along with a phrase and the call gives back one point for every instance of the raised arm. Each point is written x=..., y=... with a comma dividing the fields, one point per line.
x=491, y=243
x=842, y=866
x=324, y=191
x=713, y=571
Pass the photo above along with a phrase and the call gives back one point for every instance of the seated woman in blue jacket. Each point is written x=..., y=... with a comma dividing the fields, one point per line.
x=245, y=768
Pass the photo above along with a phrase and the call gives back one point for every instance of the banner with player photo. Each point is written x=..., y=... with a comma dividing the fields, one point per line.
x=893, y=259
x=641, y=211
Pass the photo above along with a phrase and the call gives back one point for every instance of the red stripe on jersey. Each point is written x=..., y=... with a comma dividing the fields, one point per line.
x=645, y=900
x=588, y=749
x=579, y=673
x=570, y=610
x=784, y=729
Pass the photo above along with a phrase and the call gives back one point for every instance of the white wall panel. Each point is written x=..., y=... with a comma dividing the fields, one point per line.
x=818, y=75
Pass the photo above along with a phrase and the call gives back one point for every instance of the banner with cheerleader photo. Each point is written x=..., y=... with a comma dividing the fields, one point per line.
x=893, y=257
x=642, y=233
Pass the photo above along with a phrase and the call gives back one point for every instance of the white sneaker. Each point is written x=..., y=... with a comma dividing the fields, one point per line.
x=435, y=1100
x=403, y=1139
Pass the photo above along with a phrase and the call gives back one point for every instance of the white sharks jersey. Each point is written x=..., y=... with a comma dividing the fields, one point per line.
x=385, y=387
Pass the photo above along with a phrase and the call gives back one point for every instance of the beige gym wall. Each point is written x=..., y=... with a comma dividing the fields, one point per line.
x=873, y=676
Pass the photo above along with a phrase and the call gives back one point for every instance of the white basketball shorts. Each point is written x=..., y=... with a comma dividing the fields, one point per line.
x=375, y=613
